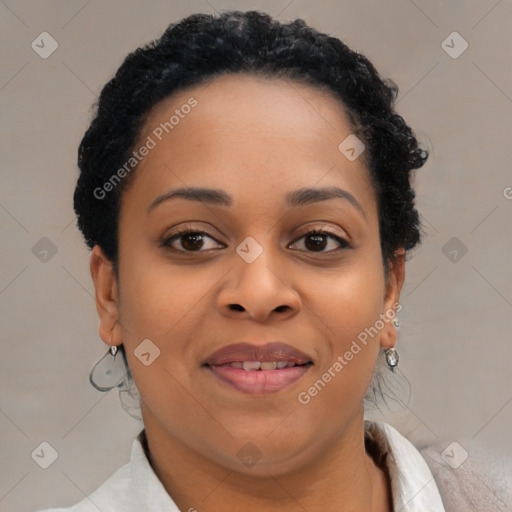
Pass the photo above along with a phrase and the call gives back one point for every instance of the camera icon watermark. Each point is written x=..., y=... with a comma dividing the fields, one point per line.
x=454, y=455
x=454, y=45
x=249, y=249
x=147, y=352
x=44, y=45
x=351, y=147
x=44, y=250
x=45, y=455
x=454, y=249
x=249, y=455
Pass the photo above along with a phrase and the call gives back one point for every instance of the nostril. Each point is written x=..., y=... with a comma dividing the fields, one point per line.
x=281, y=308
x=236, y=307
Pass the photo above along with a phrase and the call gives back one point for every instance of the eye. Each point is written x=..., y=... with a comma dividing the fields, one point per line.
x=317, y=240
x=191, y=240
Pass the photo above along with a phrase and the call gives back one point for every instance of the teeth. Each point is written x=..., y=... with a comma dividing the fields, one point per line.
x=251, y=365
x=258, y=365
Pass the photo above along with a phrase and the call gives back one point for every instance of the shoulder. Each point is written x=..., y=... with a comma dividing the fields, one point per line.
x=469, y=478
x=111, y=496
x=132, y=488
x=413, y=488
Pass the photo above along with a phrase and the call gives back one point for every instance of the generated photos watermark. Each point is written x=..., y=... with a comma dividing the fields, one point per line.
x=150, y=143
x=304, y=397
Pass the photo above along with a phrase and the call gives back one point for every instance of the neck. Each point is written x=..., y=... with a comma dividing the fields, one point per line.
x=343, y=477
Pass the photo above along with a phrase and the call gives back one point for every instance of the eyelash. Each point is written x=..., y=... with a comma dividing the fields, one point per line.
x=166, y=242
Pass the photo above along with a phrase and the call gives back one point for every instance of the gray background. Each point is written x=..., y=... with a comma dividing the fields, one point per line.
x=456, y=323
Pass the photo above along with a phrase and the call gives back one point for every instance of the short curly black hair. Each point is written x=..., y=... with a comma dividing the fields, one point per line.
x=202, y=47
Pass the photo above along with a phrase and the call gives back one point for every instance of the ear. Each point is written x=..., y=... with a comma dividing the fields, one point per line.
x=388, y=337
x=107, y=296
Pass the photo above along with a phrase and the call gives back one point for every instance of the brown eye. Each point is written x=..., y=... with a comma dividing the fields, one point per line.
x=318, y=241
x=189, y=240
x=192, y=241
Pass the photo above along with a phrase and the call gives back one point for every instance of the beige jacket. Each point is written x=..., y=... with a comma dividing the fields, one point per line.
x=466, y=482
x=477, y=485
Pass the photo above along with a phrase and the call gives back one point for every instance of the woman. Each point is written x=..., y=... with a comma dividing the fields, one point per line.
x=246, y=192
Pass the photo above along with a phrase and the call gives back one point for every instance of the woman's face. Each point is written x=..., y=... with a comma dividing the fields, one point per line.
x=252, y=275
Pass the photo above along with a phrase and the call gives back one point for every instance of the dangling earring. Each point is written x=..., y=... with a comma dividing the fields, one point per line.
x=109, y=372
x=391, y=354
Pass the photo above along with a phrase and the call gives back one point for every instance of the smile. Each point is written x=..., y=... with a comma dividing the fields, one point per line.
x=254, y=379
x=259, y=369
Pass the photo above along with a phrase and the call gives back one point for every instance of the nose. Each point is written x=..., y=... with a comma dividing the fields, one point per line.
x=260, y=290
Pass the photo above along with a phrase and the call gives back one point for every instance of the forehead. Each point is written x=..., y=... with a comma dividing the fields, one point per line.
x=249, y=135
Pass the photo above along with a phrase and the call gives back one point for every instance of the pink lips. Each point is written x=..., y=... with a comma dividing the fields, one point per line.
x=237, y=365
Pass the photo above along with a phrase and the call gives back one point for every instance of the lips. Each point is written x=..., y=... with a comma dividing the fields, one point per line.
x=257, y=369
x=273, y=351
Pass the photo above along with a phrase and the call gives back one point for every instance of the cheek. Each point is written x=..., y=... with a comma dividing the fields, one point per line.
x=165, y=304
x=157, y=300
x=348, y=309
x=163, y=308
x=349, y=301
x=349, y=318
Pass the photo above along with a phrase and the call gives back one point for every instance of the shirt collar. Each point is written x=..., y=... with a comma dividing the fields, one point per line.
x=413, y=486
x=151, y=495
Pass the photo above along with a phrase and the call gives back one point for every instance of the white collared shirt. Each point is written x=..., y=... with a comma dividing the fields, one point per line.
x=135, y=487
x=413, y=487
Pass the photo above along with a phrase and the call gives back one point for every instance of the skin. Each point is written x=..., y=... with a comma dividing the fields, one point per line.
x=256, y=139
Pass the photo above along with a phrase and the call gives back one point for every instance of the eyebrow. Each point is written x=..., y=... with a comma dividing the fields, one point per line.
x=300, y=197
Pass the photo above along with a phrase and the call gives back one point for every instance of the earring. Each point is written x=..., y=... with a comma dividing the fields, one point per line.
x=109, y=372
x=391, y=354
